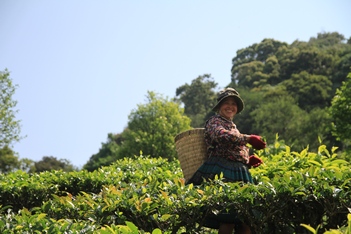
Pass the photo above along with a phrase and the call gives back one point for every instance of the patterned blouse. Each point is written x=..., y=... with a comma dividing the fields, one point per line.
x=223, y=139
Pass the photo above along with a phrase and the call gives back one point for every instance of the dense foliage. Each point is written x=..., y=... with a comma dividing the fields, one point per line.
x=9, y=126
x=49, y=163
x=198, y=99
x=341, y=110
x=294, y=192
x=151, y=129
x=288, y=89
x=272, y=62
x=8, y=160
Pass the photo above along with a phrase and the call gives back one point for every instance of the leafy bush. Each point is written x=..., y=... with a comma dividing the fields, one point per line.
x=294, y=192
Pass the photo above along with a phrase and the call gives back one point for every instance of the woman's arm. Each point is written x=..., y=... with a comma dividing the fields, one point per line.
x=219, y=133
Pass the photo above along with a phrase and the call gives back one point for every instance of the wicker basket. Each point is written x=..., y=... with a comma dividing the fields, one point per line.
x=191, y=149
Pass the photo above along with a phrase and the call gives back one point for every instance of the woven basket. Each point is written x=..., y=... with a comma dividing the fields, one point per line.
x=191, y=149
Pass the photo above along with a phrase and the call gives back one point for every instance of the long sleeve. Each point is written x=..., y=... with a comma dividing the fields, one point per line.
x=223, y=139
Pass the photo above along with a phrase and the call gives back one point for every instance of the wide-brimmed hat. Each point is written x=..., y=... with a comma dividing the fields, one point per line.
x=229, y=92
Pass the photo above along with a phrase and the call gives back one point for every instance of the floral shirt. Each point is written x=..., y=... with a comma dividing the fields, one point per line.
x=223, y=139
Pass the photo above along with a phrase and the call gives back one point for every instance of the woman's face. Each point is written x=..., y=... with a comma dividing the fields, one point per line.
x=228, y=108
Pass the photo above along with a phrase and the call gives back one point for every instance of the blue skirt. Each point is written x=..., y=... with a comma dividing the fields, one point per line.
x=233, y=171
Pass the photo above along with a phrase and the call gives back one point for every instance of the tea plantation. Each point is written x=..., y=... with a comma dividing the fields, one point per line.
x=294, y=192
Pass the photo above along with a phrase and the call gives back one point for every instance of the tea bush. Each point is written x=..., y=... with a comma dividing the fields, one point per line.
x=294, y=192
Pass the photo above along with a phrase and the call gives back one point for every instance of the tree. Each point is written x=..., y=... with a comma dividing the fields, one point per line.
x=271, y=62
x=250, y=74
x=342, y=69
x=8, y=160
x=272, y=69
x=341, y=111
x=152, y=128
x=244, y=120
x=26, y=164
x=307, y=72
x=309, y=90
x=280, y=116
x=49, y=163
x=327, y=39
x=249, y=63
x=314, y=127
x=198, y=99
x=107, y=153
x=9, y=126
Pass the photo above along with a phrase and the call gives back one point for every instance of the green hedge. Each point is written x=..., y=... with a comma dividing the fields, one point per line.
x=294, y=192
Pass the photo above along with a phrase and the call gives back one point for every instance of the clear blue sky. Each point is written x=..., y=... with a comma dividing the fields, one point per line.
x=83, y=66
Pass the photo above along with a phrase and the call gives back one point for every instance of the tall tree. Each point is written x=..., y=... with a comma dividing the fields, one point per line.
x=9, y=127
x=107, y=153
x=249, y=63
x=198, y=99
x=271, y=62
x=307, y=72
x=8, y=160
x=309, y=90
x=316, y=126
x=327, y=39
x=49, y=163
x=278, y=116
x=342, y=68
x=152, y=128
x=341, y=111
x=26, y=164
x=252, y=101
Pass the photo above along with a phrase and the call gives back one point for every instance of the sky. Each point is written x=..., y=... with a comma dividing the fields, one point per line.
x=83, y=66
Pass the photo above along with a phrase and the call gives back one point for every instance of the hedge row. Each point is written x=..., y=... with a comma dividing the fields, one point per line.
x=294, y=192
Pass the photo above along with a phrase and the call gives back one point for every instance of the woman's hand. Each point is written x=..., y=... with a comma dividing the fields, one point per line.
x=255, y=161
x=257, y=142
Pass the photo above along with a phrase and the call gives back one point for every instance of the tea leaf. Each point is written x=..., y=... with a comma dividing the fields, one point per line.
x=157, y=231
x=308, y=227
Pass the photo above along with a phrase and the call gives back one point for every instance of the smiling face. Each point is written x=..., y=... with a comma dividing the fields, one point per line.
x=228, y=108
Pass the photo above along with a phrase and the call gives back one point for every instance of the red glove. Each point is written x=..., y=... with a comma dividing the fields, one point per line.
x=256, y=142
x=255, y=161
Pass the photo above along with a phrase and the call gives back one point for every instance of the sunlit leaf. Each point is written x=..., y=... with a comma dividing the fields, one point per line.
x=165, y=217
x=157, y=231
x=308, y=227
x=314, y=162
x=132, y=227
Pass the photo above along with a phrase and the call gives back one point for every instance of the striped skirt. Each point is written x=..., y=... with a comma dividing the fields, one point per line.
x=233, y=171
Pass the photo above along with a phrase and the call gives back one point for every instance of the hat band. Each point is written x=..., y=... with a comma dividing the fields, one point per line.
x=227, y=94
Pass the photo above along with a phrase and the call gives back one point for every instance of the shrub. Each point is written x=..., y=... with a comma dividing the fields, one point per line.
x=294, y=192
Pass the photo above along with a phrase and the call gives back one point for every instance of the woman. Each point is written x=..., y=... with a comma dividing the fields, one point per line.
x=227, y=154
